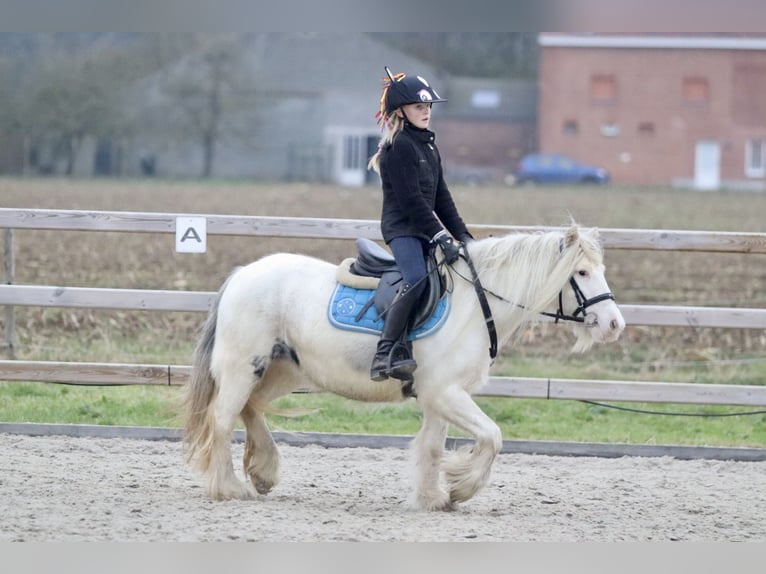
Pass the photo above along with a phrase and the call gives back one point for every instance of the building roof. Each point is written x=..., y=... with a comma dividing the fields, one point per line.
x=311, y=62
x=708, y=42
x=491, y=98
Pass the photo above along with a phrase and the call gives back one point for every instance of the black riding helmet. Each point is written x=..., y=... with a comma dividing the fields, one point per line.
x=401, y=90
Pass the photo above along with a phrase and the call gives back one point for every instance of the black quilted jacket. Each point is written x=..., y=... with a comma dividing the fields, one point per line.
x=414, y=190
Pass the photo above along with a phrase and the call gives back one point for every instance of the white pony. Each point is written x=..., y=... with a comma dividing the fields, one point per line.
x=268, y=334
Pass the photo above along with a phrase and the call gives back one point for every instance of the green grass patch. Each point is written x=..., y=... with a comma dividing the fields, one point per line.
x=68, y=404
x=519, y=419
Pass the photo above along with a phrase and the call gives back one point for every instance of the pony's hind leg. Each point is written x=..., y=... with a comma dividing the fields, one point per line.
x=261, y=457
x=233, y=392
x=467, y=469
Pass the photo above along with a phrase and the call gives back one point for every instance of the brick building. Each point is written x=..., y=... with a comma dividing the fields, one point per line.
x=681, y=110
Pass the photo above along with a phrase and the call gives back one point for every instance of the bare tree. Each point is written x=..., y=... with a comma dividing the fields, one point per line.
x=68, y=97
x=202, y=88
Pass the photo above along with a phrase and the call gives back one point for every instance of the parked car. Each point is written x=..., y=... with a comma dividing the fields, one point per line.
x=557, y=168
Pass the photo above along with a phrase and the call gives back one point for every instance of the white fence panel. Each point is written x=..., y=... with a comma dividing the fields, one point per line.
x=161, y=300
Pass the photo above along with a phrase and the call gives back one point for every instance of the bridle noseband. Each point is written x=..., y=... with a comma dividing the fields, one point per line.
x=582, y=304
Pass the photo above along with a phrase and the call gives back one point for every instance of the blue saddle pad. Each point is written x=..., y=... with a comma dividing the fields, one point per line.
x=346, y=303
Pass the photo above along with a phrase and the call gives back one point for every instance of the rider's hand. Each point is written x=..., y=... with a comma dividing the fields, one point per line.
x=449, y=248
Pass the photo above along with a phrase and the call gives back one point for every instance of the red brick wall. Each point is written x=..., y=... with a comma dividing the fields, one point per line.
x=650, y=91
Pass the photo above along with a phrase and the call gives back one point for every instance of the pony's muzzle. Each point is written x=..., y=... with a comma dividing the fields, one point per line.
x=614, y=325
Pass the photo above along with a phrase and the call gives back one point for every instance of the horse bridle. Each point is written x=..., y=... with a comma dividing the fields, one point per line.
x=582, y=303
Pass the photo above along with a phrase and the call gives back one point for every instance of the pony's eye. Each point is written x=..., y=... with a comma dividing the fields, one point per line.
x=582, y=273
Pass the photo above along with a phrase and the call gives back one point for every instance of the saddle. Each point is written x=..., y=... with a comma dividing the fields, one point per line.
x=375, y=268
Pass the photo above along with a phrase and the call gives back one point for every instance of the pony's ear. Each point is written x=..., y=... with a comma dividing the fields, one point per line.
x=571, y=236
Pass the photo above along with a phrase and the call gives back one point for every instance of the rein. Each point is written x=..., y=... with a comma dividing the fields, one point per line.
x=480, y=293
x=582, y=302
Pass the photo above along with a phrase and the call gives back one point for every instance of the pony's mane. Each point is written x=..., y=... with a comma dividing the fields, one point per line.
x=530, y=269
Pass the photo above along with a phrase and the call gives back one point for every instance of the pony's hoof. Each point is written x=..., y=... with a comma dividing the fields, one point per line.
x=242, y=491
x=262, y=486
x=448, y=506
x=435, y=505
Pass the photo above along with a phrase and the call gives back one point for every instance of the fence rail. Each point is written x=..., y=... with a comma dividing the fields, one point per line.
x=115, y=374
x=162, y=300
x=73, y=220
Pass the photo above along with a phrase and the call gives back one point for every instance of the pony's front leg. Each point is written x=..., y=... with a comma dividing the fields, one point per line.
x=467, y=469
x=427, y=452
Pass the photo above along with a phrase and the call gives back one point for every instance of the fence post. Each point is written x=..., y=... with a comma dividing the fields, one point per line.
x=9, y=315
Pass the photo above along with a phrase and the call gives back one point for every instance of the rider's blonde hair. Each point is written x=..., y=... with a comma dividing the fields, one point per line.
x=393, y=126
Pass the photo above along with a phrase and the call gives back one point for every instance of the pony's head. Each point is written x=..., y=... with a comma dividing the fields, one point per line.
x=585, y=296
x=557, y=273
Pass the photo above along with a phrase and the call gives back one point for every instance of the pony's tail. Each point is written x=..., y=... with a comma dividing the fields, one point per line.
x=199, y=393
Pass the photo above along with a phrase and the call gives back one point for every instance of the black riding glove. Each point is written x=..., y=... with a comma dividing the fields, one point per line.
x=449, y=248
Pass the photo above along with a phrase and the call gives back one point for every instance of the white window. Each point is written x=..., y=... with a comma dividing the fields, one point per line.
x=485, y=99
x=352, y=152
x=610, y=130
x=755, y=158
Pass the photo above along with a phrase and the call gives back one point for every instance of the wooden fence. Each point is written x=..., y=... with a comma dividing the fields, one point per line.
x=165, y=300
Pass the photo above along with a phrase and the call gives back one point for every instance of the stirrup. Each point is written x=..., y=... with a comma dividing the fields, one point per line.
x=401, y=365
x=402, y=370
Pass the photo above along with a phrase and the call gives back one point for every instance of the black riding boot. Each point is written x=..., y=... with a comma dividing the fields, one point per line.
x=393, y=357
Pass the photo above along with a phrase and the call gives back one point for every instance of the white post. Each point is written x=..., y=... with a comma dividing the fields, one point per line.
x=10, y=317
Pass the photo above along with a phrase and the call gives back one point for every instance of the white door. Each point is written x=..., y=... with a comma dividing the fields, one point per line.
x=353, y=161
x=707, y=165
x=352, y=148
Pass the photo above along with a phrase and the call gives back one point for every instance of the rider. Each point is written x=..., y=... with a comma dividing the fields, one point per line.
x=418, y=210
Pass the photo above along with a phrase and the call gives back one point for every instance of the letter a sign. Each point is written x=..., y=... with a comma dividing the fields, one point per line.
x=191, y=234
